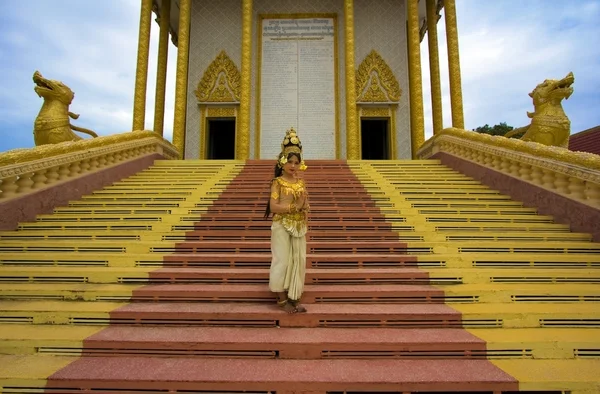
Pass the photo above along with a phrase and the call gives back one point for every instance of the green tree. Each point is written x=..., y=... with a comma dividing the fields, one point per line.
x=499, y=129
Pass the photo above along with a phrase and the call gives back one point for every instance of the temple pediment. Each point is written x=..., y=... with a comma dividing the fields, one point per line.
x=220, y=82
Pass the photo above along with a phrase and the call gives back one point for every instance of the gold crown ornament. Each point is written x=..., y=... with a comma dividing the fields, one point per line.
x=291, y=143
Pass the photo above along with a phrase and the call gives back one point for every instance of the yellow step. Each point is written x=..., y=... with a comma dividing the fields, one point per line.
x=538, y=375
x=541, y=343
x=515, y=315
x=518, y=276
x=521, y=293
x=29, y=371
x=73, y=274
x=43, y=339
x=454, y=293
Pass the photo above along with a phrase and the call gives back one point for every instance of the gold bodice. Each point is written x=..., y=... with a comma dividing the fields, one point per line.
x=287, y=192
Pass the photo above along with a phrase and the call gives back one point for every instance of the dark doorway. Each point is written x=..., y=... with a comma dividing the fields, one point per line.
x=375, y=139
x=221, y=139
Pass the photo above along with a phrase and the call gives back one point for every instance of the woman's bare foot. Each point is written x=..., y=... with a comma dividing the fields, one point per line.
x=287, y=306
x=296, y=304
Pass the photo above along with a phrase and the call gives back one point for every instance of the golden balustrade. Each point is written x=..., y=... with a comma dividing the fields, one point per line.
x=23, y=171
x=574, y=175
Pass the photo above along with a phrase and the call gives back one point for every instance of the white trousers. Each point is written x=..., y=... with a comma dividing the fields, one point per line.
x=288, y=265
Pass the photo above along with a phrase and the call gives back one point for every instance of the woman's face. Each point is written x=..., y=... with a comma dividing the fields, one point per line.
x=291, y=166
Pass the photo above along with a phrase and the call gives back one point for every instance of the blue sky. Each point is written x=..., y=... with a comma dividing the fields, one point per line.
x=507, y=47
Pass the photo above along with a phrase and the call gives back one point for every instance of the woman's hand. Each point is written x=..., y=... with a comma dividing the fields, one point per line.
x=300, y=200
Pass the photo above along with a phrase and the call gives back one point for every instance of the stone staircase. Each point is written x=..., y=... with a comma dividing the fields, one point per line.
x=419, y=279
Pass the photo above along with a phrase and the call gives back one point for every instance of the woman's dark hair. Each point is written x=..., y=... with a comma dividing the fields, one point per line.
x=278, y=172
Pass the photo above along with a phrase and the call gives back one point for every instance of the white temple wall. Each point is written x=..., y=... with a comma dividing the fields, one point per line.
x=381, y=25
x=216, y=26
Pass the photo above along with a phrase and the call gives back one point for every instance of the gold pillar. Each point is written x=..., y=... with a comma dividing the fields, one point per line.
x=352, y=143
x=161, y=71
x=454, y=65
x=242, y=138
x=141, y=73
x=434, y=66
x=417, y=122
x=183, y=41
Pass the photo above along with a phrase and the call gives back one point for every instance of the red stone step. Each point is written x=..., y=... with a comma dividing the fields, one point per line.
x=314, y=209
x=269, y=315
x=350, y=188
x=317, y=181
x=313, y=235
x=313, y=225
x=312, y=260
x=321, y=217
x=312, y=293
x=286, y=343
x=253, y=203
x=356, y=195
x=242, y=375
x=316, y=184
x=312, y=247
x=314, y=197
x=313, y=276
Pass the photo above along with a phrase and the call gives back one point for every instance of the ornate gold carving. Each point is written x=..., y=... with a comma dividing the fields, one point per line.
x=181, y=77
x=221, y=112
x=374, y=92
x=375, y=81
x=417, y=122
x=434, y=66
x=377, y=112
x=514, y=148
x=242, y=146
x=549, y=123
x=141, y=74
x=161, y=71
x=17, y=156
x=220, y=82
x=454, y=65
x=52, y=124
x=352, y=142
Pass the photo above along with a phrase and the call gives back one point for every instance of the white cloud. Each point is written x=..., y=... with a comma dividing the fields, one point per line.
x=508, y=47
x=92, y=48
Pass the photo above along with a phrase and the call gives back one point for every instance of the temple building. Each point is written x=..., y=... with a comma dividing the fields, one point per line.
x=346, y=74
x=473, y=266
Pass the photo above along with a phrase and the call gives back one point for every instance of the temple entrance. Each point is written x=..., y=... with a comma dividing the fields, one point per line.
x=375, y=138
x=221, y=139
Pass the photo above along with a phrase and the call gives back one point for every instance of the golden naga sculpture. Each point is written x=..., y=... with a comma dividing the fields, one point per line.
x=52, y=124
x=549, y=123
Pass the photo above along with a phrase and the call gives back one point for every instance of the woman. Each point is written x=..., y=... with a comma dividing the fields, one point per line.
x=289, y=204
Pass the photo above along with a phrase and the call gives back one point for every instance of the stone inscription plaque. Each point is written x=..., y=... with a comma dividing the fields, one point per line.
x=297, y=85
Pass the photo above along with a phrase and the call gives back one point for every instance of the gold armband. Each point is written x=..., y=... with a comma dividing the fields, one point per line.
x=275, y=195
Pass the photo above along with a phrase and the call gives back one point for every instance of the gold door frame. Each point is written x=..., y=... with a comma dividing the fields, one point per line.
x=208, y=112
x=387, y=112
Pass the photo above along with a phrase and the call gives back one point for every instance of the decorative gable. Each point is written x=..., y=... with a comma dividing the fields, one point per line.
x=375, y=81
x=220, y=82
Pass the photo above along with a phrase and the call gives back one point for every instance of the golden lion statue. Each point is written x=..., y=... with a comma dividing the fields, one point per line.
x=549, y=123
x=52, y=124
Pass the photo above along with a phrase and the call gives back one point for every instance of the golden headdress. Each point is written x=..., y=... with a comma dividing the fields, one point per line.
x=291, y=143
